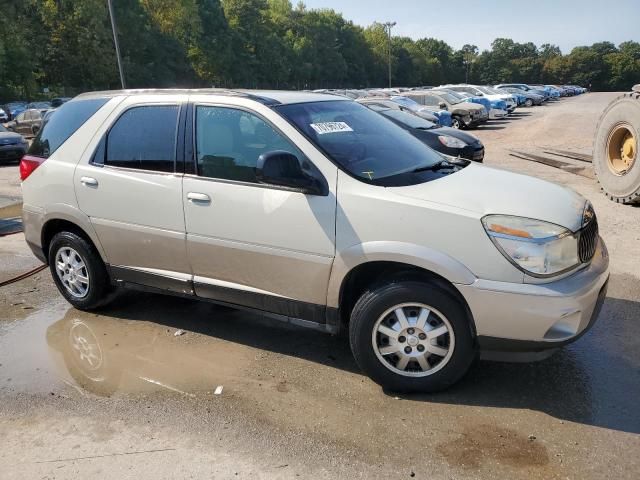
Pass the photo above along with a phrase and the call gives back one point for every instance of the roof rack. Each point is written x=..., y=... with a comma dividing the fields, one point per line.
x=168, y=91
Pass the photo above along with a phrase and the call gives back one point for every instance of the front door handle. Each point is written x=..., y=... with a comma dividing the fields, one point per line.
x=196, y=197
x=89, y=181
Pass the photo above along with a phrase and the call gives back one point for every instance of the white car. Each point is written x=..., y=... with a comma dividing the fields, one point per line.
x=318, y=211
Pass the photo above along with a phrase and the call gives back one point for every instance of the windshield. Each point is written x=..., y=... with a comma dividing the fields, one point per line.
x=359, y=140
x=448, y=97
x=406, y=102
x=408, y=119
x=461, y=96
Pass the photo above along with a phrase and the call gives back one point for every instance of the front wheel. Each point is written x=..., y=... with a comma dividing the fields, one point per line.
x=528, y=103
x=78, y=271
x=457, y=123
x=411, y=336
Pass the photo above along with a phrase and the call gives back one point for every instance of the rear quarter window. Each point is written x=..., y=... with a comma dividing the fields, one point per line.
x=67, y=119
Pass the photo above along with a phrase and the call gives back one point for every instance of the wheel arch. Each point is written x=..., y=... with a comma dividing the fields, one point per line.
x=363, y=265
x=63, y=221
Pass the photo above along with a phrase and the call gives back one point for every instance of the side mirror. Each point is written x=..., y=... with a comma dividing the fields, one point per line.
x=283, y=169
x=442, y=105
x=479, y=94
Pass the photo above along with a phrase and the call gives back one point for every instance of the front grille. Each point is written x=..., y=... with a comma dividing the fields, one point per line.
x=588, y=240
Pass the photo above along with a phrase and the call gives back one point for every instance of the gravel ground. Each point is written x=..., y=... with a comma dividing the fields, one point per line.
x=119, y=395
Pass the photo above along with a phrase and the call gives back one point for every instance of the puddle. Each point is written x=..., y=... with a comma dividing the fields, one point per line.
x=105, y=354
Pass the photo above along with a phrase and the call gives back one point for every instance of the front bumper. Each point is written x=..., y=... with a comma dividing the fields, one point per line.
x=497, y=113
x=537, y=318
x=12, y=152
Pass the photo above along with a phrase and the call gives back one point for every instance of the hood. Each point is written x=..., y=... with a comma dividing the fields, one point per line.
x=459, y=134
x=467, y=106
x=9, y=138
x=486, y=190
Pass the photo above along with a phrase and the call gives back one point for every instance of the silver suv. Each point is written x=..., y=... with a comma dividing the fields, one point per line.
x=320, y=212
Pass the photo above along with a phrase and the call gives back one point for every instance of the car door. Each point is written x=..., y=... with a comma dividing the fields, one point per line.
x=21, y=123
x=128, y=186
x=252, y=244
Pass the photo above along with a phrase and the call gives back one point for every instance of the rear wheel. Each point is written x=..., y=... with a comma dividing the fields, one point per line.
x=78, y=271
x=615, y=156
x=528, y=102
x=411, y=336
x=457, y=123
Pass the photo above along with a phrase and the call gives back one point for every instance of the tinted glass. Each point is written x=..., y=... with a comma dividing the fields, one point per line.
x=429, y=100
x=144, y=138
x=408, y=119
x=361, y=141
x=22, y=117
x=68, y=118
x=229, y=142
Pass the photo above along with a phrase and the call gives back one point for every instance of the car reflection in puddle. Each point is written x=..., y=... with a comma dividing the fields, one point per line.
x=105, y=355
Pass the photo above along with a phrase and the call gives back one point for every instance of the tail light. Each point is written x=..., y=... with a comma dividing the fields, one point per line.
x=28, y=164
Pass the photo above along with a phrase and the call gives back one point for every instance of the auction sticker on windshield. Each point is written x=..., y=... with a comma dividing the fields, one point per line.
x=331, y=127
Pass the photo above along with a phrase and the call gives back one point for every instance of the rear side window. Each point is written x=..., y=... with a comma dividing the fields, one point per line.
x=68, y=118
x=144, y=138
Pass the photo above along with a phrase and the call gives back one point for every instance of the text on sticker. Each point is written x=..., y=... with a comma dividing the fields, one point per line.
x=331, y=127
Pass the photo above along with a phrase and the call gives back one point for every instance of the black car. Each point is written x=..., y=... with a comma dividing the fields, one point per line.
x=12, y=145
x=449, y=141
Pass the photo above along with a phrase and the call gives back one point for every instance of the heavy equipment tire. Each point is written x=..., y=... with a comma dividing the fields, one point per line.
x=616, y=161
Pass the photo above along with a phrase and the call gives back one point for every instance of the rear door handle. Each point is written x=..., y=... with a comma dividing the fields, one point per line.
x=195, y=197
x=89, y=181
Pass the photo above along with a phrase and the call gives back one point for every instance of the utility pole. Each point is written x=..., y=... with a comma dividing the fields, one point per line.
x=388, y=26
x=115, y=41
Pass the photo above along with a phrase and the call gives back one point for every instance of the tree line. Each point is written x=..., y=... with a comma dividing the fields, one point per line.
x=67, y=47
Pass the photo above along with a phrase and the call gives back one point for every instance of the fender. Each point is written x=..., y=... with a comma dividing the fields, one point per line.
x=392, y=251
x=62, y=211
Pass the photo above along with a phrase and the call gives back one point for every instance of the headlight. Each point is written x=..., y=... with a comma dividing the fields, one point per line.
x=451, y=142
x=538, y=248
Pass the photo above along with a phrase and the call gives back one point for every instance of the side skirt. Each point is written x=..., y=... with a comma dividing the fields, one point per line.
x=303, y=314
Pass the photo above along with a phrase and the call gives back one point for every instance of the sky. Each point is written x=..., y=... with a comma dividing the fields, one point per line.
x=561, y=22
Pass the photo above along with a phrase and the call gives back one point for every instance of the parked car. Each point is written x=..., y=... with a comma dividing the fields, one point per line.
x=12, y=145
x=526, y=88
x=387, y=103
x=443, y=116
x=448, y=141
x=495, y=108
x=480, y=91
x=56, y=102
x=13, y=109
x=4, y=117
x=28, y=122
x=464, y=114
x=39, y=106
x=318, y=211
x=530, y=98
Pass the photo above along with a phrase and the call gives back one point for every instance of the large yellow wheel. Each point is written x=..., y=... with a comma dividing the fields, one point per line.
x=615, y=153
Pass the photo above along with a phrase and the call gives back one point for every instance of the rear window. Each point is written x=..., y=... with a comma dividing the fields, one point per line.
x=68, y=118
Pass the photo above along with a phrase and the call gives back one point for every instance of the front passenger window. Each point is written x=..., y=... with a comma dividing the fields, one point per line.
x=229, y=142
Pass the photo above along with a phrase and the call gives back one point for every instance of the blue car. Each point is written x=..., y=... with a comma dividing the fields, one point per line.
x=443, y=116
x=14, y=109
x=494, y=108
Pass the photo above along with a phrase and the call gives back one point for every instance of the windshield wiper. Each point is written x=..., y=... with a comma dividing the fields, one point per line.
x=441, y=165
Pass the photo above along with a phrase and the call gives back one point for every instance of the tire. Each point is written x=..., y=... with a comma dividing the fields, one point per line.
x=457, y=123
x=87, y=295
x=377, y=307
x=619, y=178
x=528, y=102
